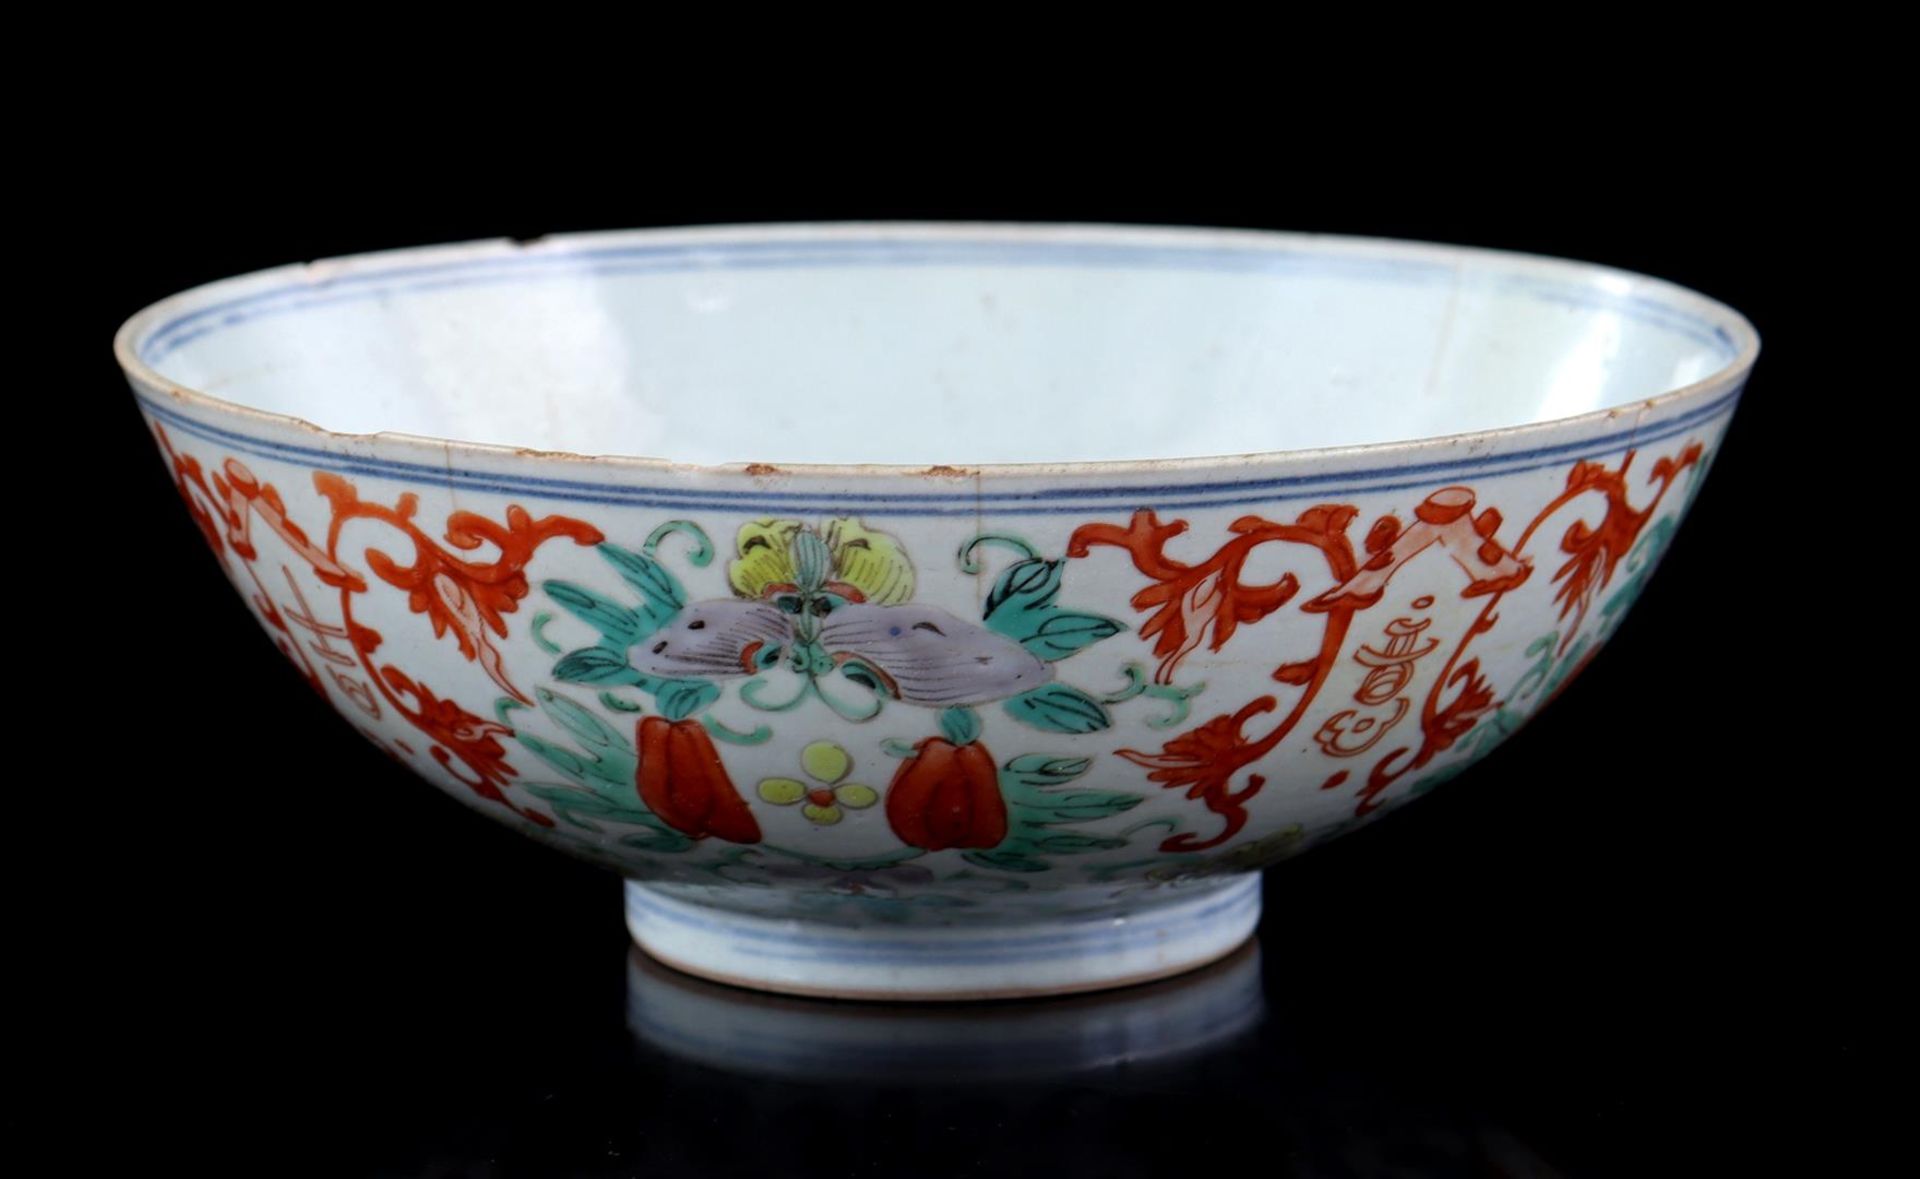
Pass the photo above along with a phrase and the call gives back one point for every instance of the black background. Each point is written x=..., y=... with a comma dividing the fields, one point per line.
x=1589, y=953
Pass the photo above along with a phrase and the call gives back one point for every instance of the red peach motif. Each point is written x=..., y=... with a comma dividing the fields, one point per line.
x=947, y=795
x=681, y=778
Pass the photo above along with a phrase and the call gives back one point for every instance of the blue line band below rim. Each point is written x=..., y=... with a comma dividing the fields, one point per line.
x=1045, y=501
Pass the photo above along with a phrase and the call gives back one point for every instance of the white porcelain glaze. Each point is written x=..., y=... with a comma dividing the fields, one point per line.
x=1013, y=606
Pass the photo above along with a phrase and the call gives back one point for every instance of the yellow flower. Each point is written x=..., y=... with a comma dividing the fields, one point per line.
x=826, y=764
x=870, y=563
x=765, y=549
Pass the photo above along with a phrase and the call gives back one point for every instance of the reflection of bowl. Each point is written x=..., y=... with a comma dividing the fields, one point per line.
x=1021, y=709
x=1035, y=1040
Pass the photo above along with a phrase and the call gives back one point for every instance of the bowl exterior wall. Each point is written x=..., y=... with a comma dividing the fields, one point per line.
x=926, y=694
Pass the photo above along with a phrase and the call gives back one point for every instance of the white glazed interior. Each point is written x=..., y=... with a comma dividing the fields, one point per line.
x=936, y=344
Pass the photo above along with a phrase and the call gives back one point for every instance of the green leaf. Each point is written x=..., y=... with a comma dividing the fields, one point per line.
x=1082, y=806
x=1640, y=563
x=605, y=765
x=1005, y=861
x=1060, y=633
x=661, y=840
x=565, y=760
x=1036, y=806
x=1059, y=708
x=960, y=725
x=680, y=699
x=658, y=589
x=603, y=768
x=620, y=626
x=1036, y=770
x=1030, y=784
x=1020, y=606
x=595, y=665
x=572, y=802
x=1068, y=844
x=1025, y=587
x=591, y=731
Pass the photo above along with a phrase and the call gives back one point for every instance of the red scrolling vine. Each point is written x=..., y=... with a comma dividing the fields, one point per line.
x=1593, y=554
x=468, y=598
x=470, y=578
x=1205, y=604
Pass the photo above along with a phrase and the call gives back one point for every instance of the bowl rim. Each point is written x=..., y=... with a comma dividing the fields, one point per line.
x=1729, y=324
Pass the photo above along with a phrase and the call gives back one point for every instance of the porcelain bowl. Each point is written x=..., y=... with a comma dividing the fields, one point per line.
x=1001, y=599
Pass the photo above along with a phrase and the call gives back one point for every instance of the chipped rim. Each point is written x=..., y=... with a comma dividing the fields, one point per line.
x=1737, y=333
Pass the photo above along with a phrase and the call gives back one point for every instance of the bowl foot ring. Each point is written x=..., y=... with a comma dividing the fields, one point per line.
x=1128, y=944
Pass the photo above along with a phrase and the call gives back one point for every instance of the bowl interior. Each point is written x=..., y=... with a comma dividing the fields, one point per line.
x=926, y=345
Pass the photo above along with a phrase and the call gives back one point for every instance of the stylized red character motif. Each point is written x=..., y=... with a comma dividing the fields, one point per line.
x=1205, y=603
x=1594, y=553
x=1349, y=733
x=470, y=598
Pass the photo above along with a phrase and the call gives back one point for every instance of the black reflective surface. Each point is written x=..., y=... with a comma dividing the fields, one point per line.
x=1615, y=948
x=1504, y=980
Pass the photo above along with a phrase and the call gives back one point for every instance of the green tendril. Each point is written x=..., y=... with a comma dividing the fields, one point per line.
x=539, y=631
x=760, y=736
x=1108, y=872
x=1136, y=684
x=969, y=565
x=1182, y=700
x=702, y=553
x=1168, y=824
x=867, y=865
x=848, y=709
x=618, y=705
x=751, y=690
x=1540, y=650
